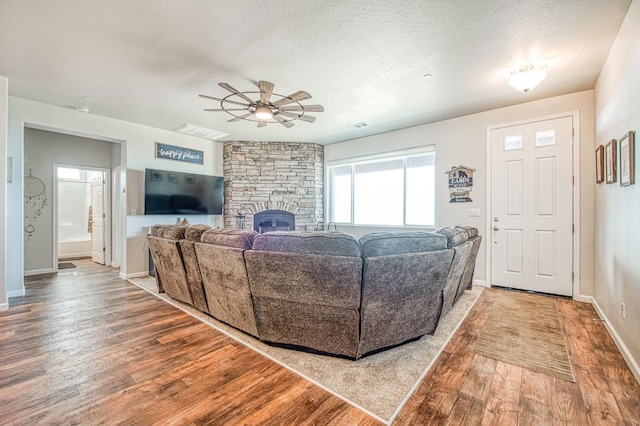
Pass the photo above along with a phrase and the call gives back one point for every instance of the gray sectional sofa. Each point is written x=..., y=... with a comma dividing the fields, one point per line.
x=321, y=291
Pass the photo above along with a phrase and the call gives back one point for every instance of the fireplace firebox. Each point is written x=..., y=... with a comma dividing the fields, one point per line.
x=274, y=220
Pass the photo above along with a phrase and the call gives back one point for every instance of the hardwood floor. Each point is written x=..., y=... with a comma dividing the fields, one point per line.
x=465, y=388
x=84, y=347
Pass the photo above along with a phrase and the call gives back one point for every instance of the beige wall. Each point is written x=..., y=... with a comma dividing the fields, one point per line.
x=462, y=140
x=617, y=223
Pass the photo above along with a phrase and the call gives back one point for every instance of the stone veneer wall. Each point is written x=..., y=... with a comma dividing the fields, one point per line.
x=273, y=176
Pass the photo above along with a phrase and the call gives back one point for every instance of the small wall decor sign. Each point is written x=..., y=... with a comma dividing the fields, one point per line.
x=460, y=184
x=177, y=153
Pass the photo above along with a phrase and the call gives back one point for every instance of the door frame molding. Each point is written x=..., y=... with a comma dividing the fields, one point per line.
x=106, y=205
x=575, y=154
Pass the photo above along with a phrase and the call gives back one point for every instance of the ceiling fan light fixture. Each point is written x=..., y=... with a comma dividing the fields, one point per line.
x=527, y=77
x=263, y=112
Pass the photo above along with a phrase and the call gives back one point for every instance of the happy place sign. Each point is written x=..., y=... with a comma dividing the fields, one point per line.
x=177, y=153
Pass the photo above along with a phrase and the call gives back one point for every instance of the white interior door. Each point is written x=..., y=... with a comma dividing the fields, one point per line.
x=97, y=216
x=531, y=208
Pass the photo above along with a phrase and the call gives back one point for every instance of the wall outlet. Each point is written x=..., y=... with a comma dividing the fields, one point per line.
x=474, y=212
x=623, y=311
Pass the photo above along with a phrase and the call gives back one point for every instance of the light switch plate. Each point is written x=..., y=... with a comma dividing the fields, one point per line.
x=474, y=212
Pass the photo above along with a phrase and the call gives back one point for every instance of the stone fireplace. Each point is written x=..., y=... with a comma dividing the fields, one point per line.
x=273, y=176
x=274, y=220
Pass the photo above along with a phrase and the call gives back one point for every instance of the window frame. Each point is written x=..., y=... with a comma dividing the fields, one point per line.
x=403, y=154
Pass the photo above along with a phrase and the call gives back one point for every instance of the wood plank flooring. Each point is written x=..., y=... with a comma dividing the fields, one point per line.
x=84, y=347
x=465, y=388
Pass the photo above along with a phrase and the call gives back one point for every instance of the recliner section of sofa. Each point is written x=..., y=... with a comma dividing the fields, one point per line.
x=403, y=279
x=323, y=291
x=306, y=289
x=224, y=276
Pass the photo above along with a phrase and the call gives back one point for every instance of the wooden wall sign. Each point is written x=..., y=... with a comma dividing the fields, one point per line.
x=177, y=153
x=460, y=184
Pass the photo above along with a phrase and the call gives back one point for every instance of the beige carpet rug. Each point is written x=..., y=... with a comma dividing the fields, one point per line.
x=379, y=384
x=524, y=330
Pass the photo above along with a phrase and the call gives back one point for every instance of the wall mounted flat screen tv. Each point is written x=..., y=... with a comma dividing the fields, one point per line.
x=168, y=192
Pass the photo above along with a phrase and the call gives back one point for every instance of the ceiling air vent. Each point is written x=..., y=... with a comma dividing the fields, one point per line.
x=200, y=132
x=359, y=125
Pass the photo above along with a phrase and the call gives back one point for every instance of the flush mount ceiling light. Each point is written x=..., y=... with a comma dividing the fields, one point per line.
x=282, y=109
x=527, y=77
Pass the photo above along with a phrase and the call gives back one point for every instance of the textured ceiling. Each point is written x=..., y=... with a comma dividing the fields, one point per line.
x=145, y=61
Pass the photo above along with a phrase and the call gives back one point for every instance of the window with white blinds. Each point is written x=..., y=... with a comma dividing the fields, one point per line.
x=397, y=191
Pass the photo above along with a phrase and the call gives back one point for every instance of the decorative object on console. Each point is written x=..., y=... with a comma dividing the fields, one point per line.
x=600, y=164
x=627, y=156
x=35, y=199
x=284, y=110
x=610, y=161
x=460, y=184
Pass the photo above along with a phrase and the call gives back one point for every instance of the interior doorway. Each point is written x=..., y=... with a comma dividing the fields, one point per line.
x=82, y=214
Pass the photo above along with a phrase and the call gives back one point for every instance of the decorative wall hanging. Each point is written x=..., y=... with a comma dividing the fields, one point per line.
x=177, y=153
x=35, y=199
x=460, y=184
x=600, y=164
x=610, y=161
x=627, y=156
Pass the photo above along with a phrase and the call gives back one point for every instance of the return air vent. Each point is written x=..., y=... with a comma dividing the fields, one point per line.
x=200, y=132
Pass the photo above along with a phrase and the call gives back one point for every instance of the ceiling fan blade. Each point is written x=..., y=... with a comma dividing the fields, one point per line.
x=262, y=123
x=300, y=95
x=306, y=108
x=282, y=121
x=223, y=100
x=237, y=92
x=305, y=117
x=228, y=109
x=240, y=117
x=266, y=89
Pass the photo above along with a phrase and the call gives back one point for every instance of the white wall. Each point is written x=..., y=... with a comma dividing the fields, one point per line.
x=617, y=224
x=462, y=141
x=137, y=153
x=4, y=96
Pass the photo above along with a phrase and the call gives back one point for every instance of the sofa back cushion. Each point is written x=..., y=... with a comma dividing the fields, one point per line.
x=170, y=232
x=236, y=238
x=391, y=243
x=303, y=242
x=194, y=232
x=455, y=236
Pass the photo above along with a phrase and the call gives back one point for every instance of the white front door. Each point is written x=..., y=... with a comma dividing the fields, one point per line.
x=531, y=208
x=97, y=216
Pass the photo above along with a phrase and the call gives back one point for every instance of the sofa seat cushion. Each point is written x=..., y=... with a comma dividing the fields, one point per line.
x=390, y=243
x=236, y=238
x=454, y=236
x=319, y=243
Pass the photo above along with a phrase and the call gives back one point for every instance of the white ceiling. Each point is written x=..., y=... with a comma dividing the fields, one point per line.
x=146, y=61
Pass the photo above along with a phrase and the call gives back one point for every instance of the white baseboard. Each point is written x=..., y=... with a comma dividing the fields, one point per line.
x=583, y=298
x=4, y=306
x=631, y=362
x=134, y=275
x=15, y=293
x=483, y=283
x=39, y=272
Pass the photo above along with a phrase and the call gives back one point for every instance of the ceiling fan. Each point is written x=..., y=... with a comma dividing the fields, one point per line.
x=282, y=109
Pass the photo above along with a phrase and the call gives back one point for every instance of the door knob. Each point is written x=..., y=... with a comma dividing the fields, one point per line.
x=495, y=228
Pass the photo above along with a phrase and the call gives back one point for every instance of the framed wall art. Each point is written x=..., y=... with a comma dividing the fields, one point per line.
x=627, y=155
x=610, y=161
x=600, y=164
